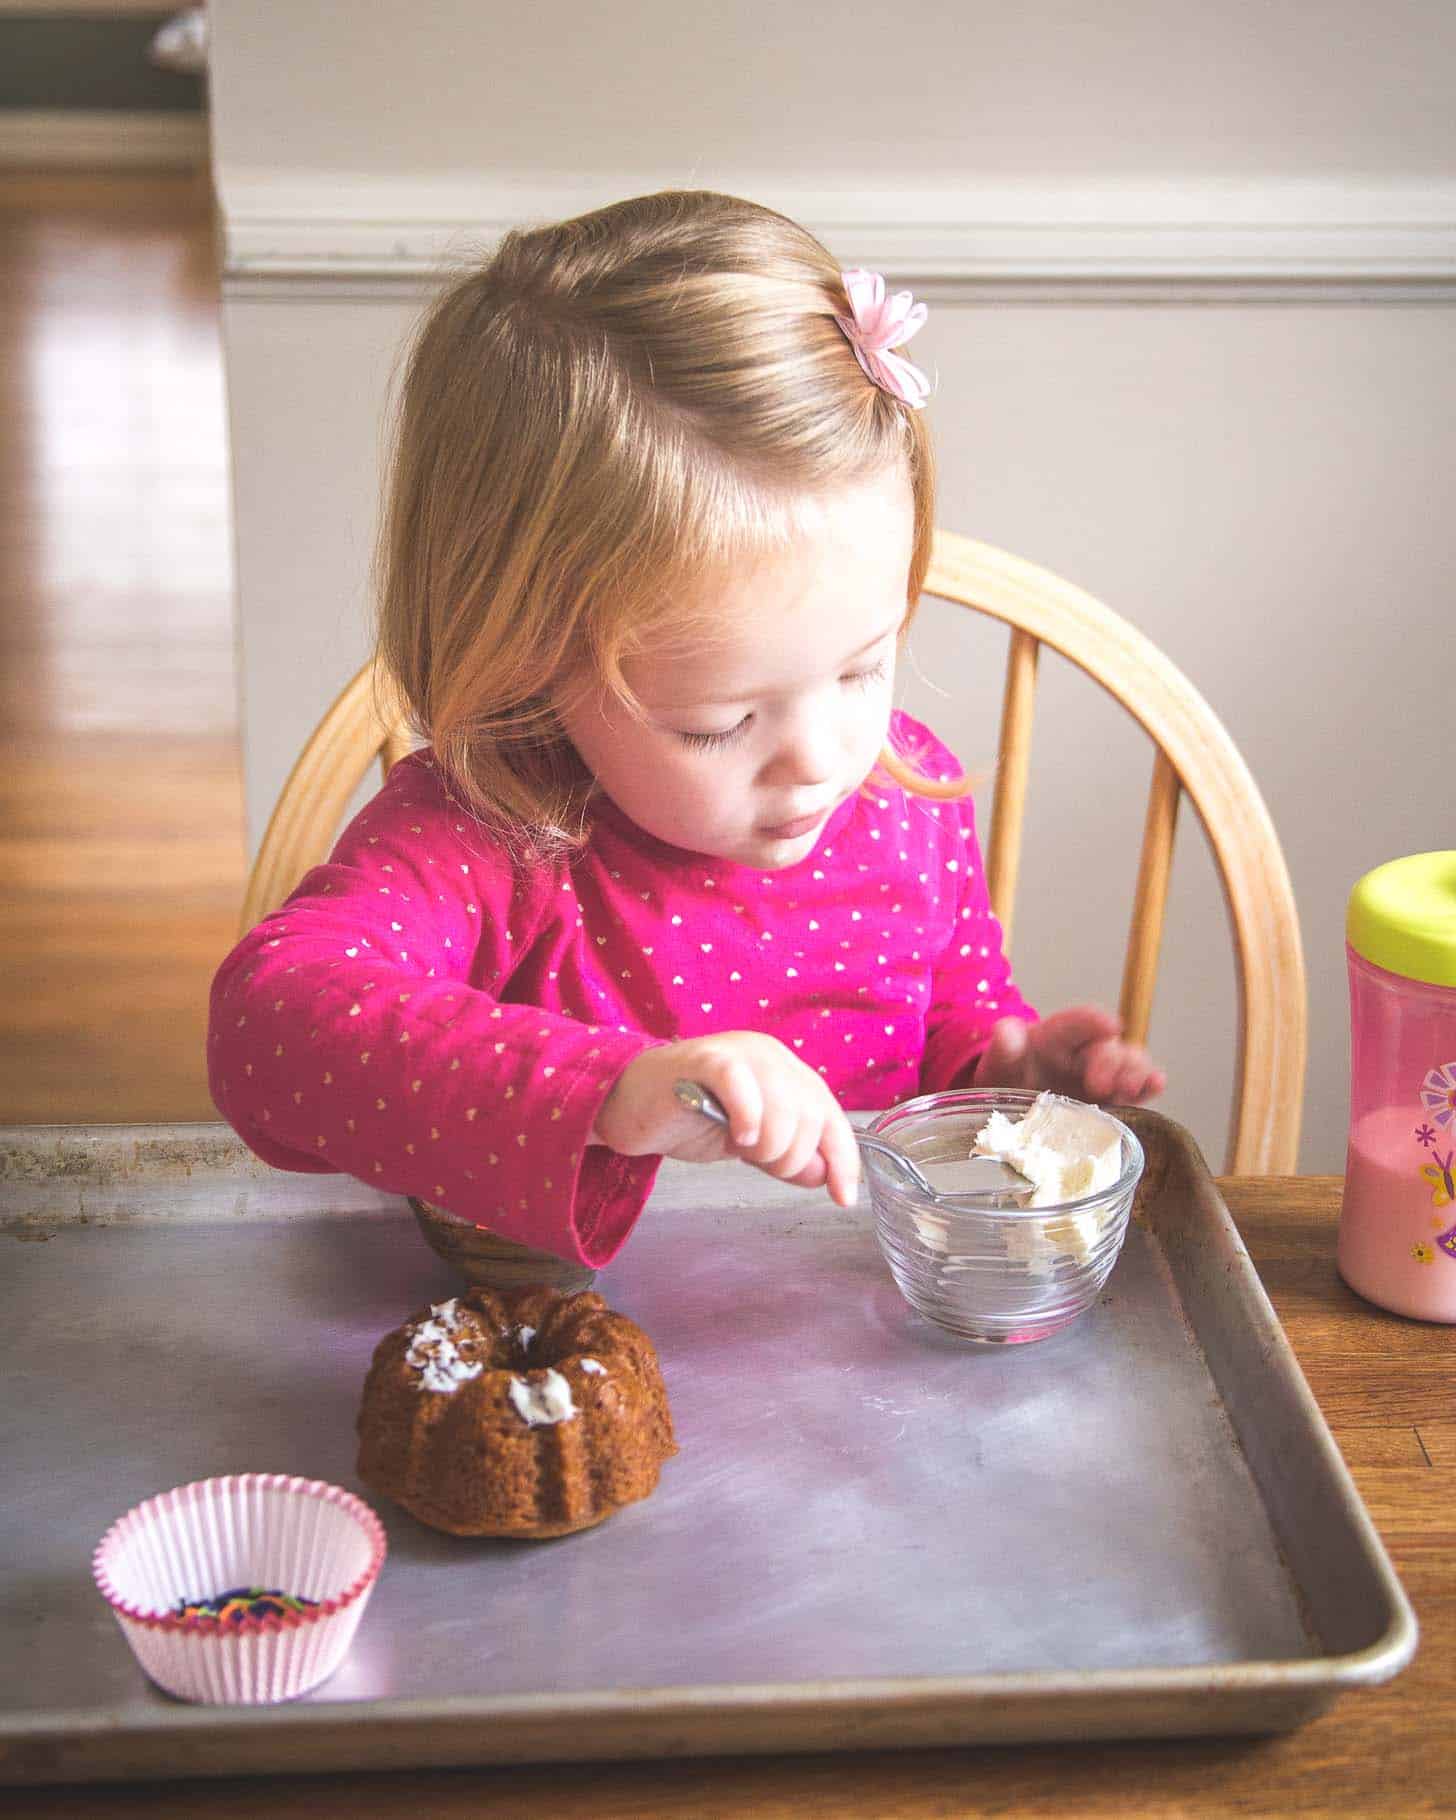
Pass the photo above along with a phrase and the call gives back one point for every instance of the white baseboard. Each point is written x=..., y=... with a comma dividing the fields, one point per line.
x=1381, y=239
x=101, y=139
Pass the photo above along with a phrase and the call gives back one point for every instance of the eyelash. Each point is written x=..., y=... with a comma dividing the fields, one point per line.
x=701, y=741
x=858, y=679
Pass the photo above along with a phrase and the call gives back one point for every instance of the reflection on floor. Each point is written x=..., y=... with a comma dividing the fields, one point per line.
x=121, y=832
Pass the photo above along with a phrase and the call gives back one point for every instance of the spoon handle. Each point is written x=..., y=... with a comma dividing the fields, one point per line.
x=697, y=1097
x=996, y=1178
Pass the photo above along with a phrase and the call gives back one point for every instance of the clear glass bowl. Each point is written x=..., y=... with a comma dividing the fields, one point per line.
x=998, y=1275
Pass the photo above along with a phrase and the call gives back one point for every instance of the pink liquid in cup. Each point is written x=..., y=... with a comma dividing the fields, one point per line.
x=1397, y=1245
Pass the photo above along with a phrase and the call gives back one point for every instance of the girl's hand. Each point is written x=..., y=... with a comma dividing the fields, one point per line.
x=782, y=1117
x=1078, y=1052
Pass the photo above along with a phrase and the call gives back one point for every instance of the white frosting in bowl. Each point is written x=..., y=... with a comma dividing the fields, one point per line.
x=1064, y=1150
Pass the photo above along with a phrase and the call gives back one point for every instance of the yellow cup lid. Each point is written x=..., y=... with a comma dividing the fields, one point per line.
x=1402, y=917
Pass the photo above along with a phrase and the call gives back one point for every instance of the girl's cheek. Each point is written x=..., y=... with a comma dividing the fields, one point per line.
x=877, y=708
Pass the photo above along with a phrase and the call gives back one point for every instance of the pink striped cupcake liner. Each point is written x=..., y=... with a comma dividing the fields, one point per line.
x=256, y=1529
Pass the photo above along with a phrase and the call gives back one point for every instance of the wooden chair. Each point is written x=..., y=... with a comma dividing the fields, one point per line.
x=364, y=724
x=1192, y=755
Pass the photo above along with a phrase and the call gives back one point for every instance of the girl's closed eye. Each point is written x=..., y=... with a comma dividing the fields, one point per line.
x=704, y=740
x=864, y=678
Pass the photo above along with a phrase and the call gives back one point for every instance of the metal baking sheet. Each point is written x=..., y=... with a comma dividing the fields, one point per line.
x=872, y=1536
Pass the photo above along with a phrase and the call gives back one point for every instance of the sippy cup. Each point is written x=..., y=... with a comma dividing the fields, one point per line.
x=1397, y=1243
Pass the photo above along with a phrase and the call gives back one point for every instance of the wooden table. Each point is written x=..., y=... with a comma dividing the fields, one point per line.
x=1388, y=1389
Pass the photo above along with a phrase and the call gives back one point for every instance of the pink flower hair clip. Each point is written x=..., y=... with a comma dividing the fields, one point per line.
x=879, y=324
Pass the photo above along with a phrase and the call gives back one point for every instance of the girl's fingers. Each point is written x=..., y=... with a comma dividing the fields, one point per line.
x=803, y=1149
x=841, y=1159
x=1101, y=1070
x=1079, y=1025
x=1142, y=1079
x=835, y=1162
x=783, y=1121
x=812, y=1175
x=1149, y=1083
x=1120, y=1074
x=834, y=1158
x=742, y=1099
x=1132, y=1081
x=776, y=1132
x=1005, y=1055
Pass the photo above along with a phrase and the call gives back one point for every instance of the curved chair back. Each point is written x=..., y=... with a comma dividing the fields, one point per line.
x=1193, y=756
x=363, y=725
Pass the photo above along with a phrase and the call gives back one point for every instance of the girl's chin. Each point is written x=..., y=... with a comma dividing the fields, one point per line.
x=774, y=852
x=764, y=851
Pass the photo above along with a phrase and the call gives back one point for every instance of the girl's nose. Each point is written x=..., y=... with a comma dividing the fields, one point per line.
x=807, y=750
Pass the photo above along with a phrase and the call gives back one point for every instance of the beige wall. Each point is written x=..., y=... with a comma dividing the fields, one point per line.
x=1244, y=88
x=1253, y=473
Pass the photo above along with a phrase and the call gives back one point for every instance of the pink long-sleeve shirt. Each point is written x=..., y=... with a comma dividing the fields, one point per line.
x=439, y=1020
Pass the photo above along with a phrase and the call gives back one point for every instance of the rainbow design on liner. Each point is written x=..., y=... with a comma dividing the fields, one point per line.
x=244, y=1602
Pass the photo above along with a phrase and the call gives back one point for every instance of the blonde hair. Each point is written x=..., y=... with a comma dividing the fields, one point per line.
x=602, y=412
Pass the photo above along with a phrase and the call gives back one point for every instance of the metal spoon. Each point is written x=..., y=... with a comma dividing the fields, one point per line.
x=972, y=1176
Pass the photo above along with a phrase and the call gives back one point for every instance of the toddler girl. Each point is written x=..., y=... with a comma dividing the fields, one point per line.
x=660, y=511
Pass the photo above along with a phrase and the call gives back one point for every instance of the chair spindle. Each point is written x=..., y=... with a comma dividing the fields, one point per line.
x=1150, y=900
x=1013, y=758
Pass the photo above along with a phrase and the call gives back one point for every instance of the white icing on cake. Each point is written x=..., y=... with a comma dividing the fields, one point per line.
x=546, y=1401
x=594, y=1367
x=434, y=1353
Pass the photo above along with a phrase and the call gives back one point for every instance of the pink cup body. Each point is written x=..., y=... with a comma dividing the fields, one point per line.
x=1397, y=1242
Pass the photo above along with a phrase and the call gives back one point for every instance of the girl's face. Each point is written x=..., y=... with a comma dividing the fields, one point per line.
x=757, y=730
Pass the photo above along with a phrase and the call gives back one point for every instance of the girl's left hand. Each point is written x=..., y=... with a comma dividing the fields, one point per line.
x=1079, y=1052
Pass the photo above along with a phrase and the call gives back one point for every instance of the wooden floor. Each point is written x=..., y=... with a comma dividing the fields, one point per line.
x=121, y=829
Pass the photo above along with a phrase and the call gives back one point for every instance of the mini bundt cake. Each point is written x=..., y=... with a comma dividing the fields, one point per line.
x=514, y=1413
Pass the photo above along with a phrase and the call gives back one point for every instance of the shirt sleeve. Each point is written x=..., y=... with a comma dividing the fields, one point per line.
x=365, y=1027
x=971, y=984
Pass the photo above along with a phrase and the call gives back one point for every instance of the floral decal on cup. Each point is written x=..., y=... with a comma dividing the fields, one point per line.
x=1438, y=1097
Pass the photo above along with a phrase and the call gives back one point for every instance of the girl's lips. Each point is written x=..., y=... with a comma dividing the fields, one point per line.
x=791, y=830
